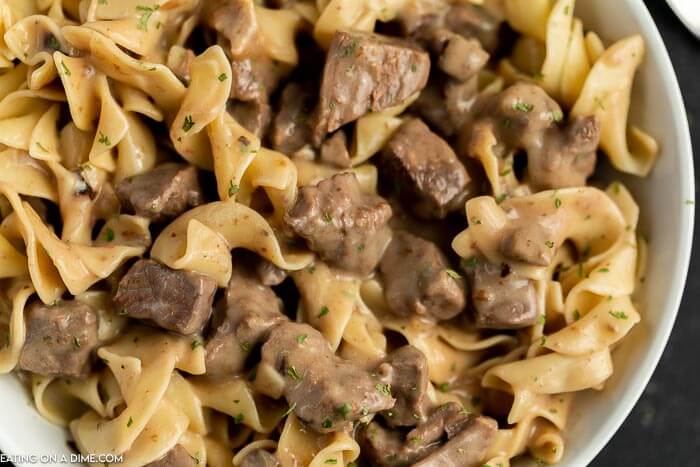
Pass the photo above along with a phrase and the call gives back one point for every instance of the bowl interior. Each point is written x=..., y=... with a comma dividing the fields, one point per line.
x=666, y=219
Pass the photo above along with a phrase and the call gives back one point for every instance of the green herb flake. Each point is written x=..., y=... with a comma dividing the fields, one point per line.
x=505, y=171
x=542, y=319
x=196, y=343
x=129, y=422
x=331, y=461
x=344, y=410
x=599, y=102
x=293, y=373
x=146, y=11
x=577, y=315
x=603, y=270
x=53, y=43
x=444, y=387
x=350, y=49
x=501, y=198
x=361, y=247
x=618, y=314
x=383, y=389
x=66, y=70
x=289, y=410
x=557, y=116
x=238, y=419
x=109, y=235
x=245, y=346
x=302, y=338
x=101, y=2
x=76, y=342
x=324, y=311
x=507, y=123
x=233, y=189
x=223, y=77
x=567, y=10
x=543, y=340
x=327, y=423
x=41, y=147
x=104, y=139
x=197, y=457
x=523, y=107
x=414, y=68
x=187, y=124
x=327, y=217
x=416, y=440
x=311, y=269
x=557, y=203
x=453, y=274
x=471, y=262
x=689, y=202
x=549, y=244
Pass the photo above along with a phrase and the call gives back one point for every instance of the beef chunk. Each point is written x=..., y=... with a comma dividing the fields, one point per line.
x=427, y=167
x=462, y=58
x=175, y=300
x=334, y=150
x=235, y=20
x=327, y=392
x=568, y=157
x=531, y=238
x=291, y=129
x=367, y=72
x=241, y=323
x=253, y=116
x=524, y=117
x=163, y=193
x=472, y=21
x=467, y=445
x=346, y=227
x=259, y=458
x=176, y=457
x=405, y=371
x=391, y=448
x=432, y=107
x=254, y=78
x=268, y=273
x=417, y=279
x=501, y=299
x=60, y=339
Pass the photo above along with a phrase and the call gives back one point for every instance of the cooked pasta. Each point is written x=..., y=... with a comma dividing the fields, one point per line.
x=315, y=232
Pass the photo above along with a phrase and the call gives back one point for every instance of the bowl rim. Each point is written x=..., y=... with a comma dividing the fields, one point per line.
x=640, y=378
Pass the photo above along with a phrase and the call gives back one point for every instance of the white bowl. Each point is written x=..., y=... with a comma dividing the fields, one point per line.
x=667, y=220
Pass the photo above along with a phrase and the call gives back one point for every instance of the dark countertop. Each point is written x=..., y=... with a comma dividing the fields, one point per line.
x=664, y=428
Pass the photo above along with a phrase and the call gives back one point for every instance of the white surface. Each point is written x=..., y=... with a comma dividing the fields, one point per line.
x=666, y=220
x=689, y=12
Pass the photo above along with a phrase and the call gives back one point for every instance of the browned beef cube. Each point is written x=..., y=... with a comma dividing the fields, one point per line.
x=367, y=72
x=334, y=150
x=326, y=392
x=291, y=129
x=427, y=168
x=253, y=116
x=473, y=21
x=259, y=458
x=235, y=20
x=176, y=457
x=391, y=448
x=346, y=227
x=501, y=299
x=405, y=371
x=462, y=58
x=175, y=300
x=163, y=193
x=268, y=273
x=60, y=339
x=241, y=323
x=418, y=279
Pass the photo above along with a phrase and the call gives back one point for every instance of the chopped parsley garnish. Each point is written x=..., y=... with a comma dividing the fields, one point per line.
x=444, y=387
x=505, y=171
x=293, y=373
x=289, y=410
x=453, y=274
x=53, y=43
x=327, y=217
x=603, y=270
x=187, y=124
x=311, y=269
x=577, y=315
x=66, y=70
x=41, y=146
x=689, y=202
x=324, y=311
x=557, y=203
x=197, y=457
x=506, y=123
x=549, y=243
x=383, y=389
x=327, y=423
x=146, y=16
x=109, y=235
x=471, y=262
x=196, y=343
x=101, y=2
x=543, y=340
x=414, y=68
x=350, y=49
x=501, y=198
x=301, y=338
x=618, y=314
x=343, y=410
x=557, y=116
x=415, y=440
x=361, y=247
x=104, y=139
x=331, y=461
x=238, y=419
x=599, y=102
x=331, y=105
x=245, y=346
x=542, y=319
x=76, y=342
x=130, y=422
x=233, y=189
x=223, y=77
x=523, y=107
